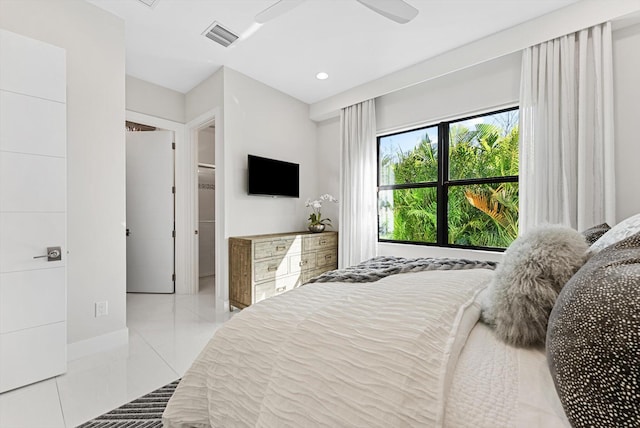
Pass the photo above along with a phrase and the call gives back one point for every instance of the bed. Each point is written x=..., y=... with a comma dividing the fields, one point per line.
x=404, y=350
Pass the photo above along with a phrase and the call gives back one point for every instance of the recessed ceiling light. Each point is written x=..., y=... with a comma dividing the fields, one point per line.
x=322, y=76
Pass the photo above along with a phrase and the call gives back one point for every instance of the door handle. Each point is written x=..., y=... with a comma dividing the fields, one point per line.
x=128, y=232
x=54, y=254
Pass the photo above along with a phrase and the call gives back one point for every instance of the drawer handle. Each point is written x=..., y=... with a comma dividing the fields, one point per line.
x=281, y=248
x=280, y=289
x=272, y=268
x=323, y=241
x=303, y=262
x=328, y=257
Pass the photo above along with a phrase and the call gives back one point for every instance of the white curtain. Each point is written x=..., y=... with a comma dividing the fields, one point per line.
x=358, y=213
x=566, y=131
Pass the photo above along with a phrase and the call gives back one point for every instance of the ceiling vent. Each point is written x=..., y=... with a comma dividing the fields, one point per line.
x=219, y=34
x=150, y=3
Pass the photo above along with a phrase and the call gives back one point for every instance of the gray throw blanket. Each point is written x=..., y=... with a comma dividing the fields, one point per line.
x=379, y=267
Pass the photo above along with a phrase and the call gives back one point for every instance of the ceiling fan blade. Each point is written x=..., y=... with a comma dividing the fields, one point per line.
x=276, y=10
x=396, y=10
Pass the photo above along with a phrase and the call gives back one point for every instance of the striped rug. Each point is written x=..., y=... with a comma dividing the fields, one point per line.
x=145, y=412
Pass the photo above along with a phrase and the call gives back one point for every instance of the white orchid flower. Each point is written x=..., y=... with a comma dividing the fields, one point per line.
x=328, y=197
x=316, y=217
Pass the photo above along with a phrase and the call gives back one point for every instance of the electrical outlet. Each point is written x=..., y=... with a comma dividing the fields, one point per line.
x=102, y=309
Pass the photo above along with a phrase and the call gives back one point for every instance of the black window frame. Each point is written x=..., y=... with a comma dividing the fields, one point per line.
x=442, y=184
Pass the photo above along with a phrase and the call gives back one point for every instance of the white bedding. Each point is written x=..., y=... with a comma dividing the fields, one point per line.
x=496, y=385
x=381, y=354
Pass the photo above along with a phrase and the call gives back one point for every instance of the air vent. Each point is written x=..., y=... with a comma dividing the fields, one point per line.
x=219, y=34
x=150, y=3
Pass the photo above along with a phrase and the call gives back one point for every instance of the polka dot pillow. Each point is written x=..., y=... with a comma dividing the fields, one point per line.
x=593, y=339
x=594, y=233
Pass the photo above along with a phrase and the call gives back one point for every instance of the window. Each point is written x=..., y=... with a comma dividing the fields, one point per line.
x=453, y=184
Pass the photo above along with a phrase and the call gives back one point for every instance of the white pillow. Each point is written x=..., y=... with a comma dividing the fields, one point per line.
x=617, y=233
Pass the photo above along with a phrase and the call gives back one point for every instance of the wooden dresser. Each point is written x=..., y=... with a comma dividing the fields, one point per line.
x=262, y=266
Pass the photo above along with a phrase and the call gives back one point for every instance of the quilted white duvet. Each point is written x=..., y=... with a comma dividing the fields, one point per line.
x=381, y=354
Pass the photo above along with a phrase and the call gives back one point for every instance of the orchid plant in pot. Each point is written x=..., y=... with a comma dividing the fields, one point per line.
x=316, y=222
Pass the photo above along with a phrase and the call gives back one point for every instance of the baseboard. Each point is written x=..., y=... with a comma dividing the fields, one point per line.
x=104, y=342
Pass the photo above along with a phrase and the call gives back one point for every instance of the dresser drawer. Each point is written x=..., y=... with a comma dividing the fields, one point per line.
x=270, y=268
x=326, y=259
x=277, y=286
x=302, y=262
x=277, y=247
x=320, y=241
x=261, y=266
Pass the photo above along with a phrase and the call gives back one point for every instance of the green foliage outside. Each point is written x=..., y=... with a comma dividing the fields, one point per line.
x=484, y=215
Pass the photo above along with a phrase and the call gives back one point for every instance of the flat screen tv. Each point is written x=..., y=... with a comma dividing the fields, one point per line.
x=273, y=177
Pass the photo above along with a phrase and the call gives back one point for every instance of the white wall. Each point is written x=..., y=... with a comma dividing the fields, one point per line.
x=206, y=96
x=488, y=86
x=484, y=87
x=626, y=53
x=95, y=44
x=262, y=121
x=253, y=118
x=153, y=100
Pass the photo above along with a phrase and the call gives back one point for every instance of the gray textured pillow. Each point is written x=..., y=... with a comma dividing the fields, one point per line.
x=594, y=233
x=593, y=340
x=627, y=227
x=527, y=282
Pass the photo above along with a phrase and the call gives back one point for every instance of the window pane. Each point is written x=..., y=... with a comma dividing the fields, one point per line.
x=409, y=157
x=408, y=214
x=484, y=147
x=483, y=215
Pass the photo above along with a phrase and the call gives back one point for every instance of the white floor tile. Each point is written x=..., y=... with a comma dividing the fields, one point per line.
x=181, y=349
x=99, y=383
x=166, y=334
x=33, y=406
x=179, y=340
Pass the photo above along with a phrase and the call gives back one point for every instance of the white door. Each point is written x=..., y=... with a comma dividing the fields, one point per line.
x=33, y=150
x=150, y=212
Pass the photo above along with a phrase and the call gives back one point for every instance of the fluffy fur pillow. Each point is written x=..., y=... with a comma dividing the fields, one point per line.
x=527, y=282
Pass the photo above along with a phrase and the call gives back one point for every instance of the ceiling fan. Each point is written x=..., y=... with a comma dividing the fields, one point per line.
x=396, y=10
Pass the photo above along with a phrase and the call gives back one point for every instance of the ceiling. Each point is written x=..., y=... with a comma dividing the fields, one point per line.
x=354, y=45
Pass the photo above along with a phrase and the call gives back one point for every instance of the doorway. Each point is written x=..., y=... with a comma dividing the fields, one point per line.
x=150, y=215
x=206, y=207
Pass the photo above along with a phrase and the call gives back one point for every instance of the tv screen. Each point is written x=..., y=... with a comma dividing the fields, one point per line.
x=273, y=177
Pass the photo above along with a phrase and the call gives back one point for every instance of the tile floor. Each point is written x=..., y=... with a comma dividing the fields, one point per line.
x=166, y=333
